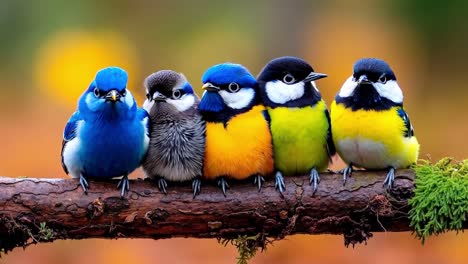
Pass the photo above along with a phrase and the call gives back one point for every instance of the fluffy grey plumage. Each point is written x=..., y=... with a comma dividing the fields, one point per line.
x=177, y=138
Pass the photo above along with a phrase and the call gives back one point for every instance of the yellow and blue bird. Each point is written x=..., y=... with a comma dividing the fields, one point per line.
x=238, y=140
x=300, y=122
x=108, y=136
x=370, y=128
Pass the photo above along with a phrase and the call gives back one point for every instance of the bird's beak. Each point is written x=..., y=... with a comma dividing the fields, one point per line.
x=210, y=87
x=314, y=76
x=113, y=96
x=363, y=79
x=160, y=97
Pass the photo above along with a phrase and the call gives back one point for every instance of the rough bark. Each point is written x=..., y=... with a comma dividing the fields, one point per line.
x=40, y=210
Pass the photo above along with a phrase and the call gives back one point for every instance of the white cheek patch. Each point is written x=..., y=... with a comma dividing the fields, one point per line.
x=238, y=100
x=128, y=99
x=390, y=90
x=92, y=102
x=348, y=87
x=147, y=105
x=280, y=93
x=184, y=103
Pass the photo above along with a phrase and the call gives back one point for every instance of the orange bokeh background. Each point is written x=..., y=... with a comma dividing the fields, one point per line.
x=51, y=50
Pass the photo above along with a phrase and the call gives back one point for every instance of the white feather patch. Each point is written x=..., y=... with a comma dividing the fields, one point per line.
x=390, y=90
x=238, y=100
x=348, y=87
x=280, y=93
x=147, y=105
x=128, y=99
x=71, y=153
x=184, y=103
x=366, y=153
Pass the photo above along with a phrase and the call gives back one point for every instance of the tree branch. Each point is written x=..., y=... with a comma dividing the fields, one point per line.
x=37, y=210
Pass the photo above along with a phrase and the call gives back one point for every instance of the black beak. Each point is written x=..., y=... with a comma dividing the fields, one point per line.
x=314, y=76
x=113, y=96
x=210, y=87
x=363, y=79
x=160, y=98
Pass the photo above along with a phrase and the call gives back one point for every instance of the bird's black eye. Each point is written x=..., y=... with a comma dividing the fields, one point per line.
x=176, y=94
x=123, y=92
x=233, y=87
x=383, y=79
x=148, y=96
x=97, y=93
x=289, y=79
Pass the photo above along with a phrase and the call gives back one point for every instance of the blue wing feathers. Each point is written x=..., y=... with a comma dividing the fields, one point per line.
x=409, y=131
x=69, y=132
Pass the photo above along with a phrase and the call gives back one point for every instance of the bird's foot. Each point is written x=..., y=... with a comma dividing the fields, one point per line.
x=196, y=186
x=162, y=184
x=279, y=182
x=388, y=183
x=314, y=179
x=259, y=180
x=124, y=186
x=347, y=173
x=84, y=184
x=223, y=185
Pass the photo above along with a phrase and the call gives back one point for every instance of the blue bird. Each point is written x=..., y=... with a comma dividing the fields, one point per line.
x=238, y=142
x=108, y=136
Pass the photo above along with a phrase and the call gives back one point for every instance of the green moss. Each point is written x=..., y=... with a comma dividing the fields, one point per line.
x=45, y=233
x=440, y=201
x=247, y=246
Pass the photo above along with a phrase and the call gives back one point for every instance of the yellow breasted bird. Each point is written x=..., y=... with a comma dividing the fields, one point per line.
x=300, y=123
x=238, y=140
x=370, y=128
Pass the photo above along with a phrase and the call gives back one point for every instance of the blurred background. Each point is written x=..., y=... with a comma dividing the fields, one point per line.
x=51, y=49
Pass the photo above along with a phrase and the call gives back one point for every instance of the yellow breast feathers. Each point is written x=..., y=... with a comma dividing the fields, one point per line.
x=372, y=139
x=241, y=149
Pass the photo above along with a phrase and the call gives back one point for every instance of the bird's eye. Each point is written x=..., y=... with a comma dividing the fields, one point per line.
x=233, y=87
x=289, y=79
x=383, y=79
x=97, y=93
x=148, y=96
x=123, y=92
x=176, y=94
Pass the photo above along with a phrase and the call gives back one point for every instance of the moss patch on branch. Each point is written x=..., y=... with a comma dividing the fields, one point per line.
x=440, y=201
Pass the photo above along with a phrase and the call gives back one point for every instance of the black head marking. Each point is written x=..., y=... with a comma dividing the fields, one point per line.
x=163, y=81
x=284, y=67
x=373, y=68
x=279, y=67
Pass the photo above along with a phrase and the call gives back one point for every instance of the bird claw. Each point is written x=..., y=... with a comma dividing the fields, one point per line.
x=279, y=183
x=314, y=178
x=124, y=186
x=196, y=186
x=347, y=173
x=388, y=183
x=84, y=184
x=162, y=185
x=223, y=185
x=259, y=180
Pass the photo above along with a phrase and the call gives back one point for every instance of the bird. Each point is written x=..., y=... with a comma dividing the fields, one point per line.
x=238, y=139
x=177, y=137
x=370, y=127
x=108, y=135
x=299, y=119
